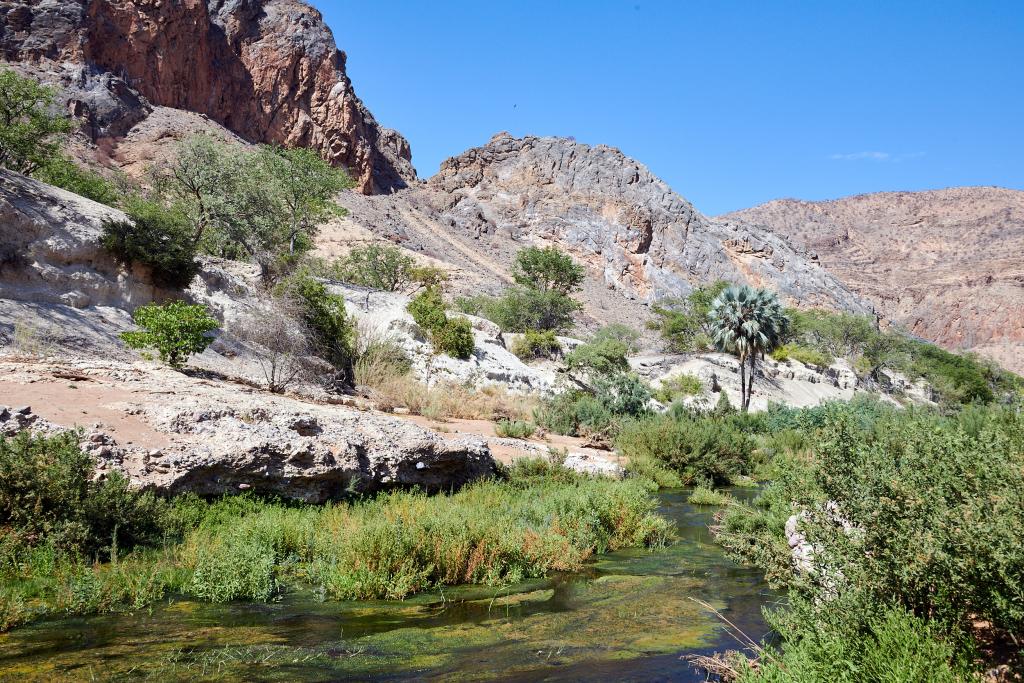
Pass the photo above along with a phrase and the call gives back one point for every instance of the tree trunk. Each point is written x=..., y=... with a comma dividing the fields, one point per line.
x=750, y=379
x=743, y=383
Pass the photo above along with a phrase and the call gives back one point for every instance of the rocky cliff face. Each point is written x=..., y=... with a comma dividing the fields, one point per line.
x=948, y=265
x=267, y=70
x=643, y=239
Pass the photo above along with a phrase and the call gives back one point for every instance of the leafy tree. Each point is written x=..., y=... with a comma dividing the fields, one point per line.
x=547, y=270
x=304, y=186
x=156, y=236
x=30, y=133
x=683, y=323
x=748, y=323
x=262, y=205
x=377, y=266
x=605, y=356
x=176, y=330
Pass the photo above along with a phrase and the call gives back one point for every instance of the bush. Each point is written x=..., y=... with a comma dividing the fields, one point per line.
x=48, y=497
x=805, y=355
x=623, y=394
x=542, y=299
x=455, y=338
x=909, y=511
x=679, y=386
x=574, y=413
x=383, y=267
x=896, y=647
x=605, y=356
x=521, y=309
x=176, y=330
x=547, y=270
x=514, y=429
x=452, y=336
x=683, y=323
x=701, y=451
x=66, y=174
x=157, y=237
x=325, y=316
x=428, y=309
x=533, y=345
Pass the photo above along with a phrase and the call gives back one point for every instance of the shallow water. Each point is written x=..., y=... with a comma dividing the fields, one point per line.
x=630, y=616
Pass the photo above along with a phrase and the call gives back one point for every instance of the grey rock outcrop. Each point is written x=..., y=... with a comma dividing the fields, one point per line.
x=613, y=214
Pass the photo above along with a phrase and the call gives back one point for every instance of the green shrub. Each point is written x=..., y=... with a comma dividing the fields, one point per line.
x=324, y=313
x=376, y=266
x=896, y=647
x=514, y=429
x=48, y=497
x=176, y=330
x=157, y=237
x=521, y=309
x=623, y=394
x=906, y=510
x=701, y=451
x=703, y=495
x=541, y=301
x=573, y=414
x=684, y=324
x=453, y=336
x=534, y=344
x=805, y=355
x=603, y=356
x=678, y=386
x=64, y=173
x=428, y=309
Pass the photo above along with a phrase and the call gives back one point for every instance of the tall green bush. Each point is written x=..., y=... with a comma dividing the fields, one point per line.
x=31, y=129
x=157, y=237
x=176, y=330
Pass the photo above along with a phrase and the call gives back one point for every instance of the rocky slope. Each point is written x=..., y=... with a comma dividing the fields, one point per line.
x=947, y=265
x=267, y=70
x=640, y=240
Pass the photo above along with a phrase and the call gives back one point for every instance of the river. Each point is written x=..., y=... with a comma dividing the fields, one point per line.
x=630, y=616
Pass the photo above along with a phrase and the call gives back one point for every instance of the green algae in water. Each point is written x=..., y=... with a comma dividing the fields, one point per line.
x=632, y=607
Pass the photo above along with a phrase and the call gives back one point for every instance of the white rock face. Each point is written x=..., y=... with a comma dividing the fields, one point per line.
x=791, y=382
x=383, y=314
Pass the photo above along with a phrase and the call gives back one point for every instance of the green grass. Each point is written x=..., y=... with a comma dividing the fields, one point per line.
x=703, y=495
x=494, y=532
x=514, y=429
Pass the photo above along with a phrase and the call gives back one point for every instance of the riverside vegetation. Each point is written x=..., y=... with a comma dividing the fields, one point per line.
x=913, y=515
x=72, y=545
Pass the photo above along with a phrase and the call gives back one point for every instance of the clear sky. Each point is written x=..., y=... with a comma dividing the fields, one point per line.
x=732, y=103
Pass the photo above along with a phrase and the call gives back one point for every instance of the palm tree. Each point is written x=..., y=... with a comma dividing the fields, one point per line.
x=748, y=323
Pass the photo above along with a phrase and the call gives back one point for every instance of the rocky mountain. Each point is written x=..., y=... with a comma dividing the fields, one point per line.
x=267, y=70
x=947, y=265
x=639, y=239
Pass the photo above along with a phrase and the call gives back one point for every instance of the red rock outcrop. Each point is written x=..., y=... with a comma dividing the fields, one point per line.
x=267, y=70
x=948, y=265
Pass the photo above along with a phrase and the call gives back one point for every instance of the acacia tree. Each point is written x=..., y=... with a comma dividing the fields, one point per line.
x=747, y=323
x=30, y=132
x=263, y=204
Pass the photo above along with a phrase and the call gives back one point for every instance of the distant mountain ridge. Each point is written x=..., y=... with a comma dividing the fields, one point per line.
x=947, y=265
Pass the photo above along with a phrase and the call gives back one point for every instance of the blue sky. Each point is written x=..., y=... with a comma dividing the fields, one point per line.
x=732, y=103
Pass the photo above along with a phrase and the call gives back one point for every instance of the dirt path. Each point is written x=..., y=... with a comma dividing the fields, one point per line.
x=81, y=401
